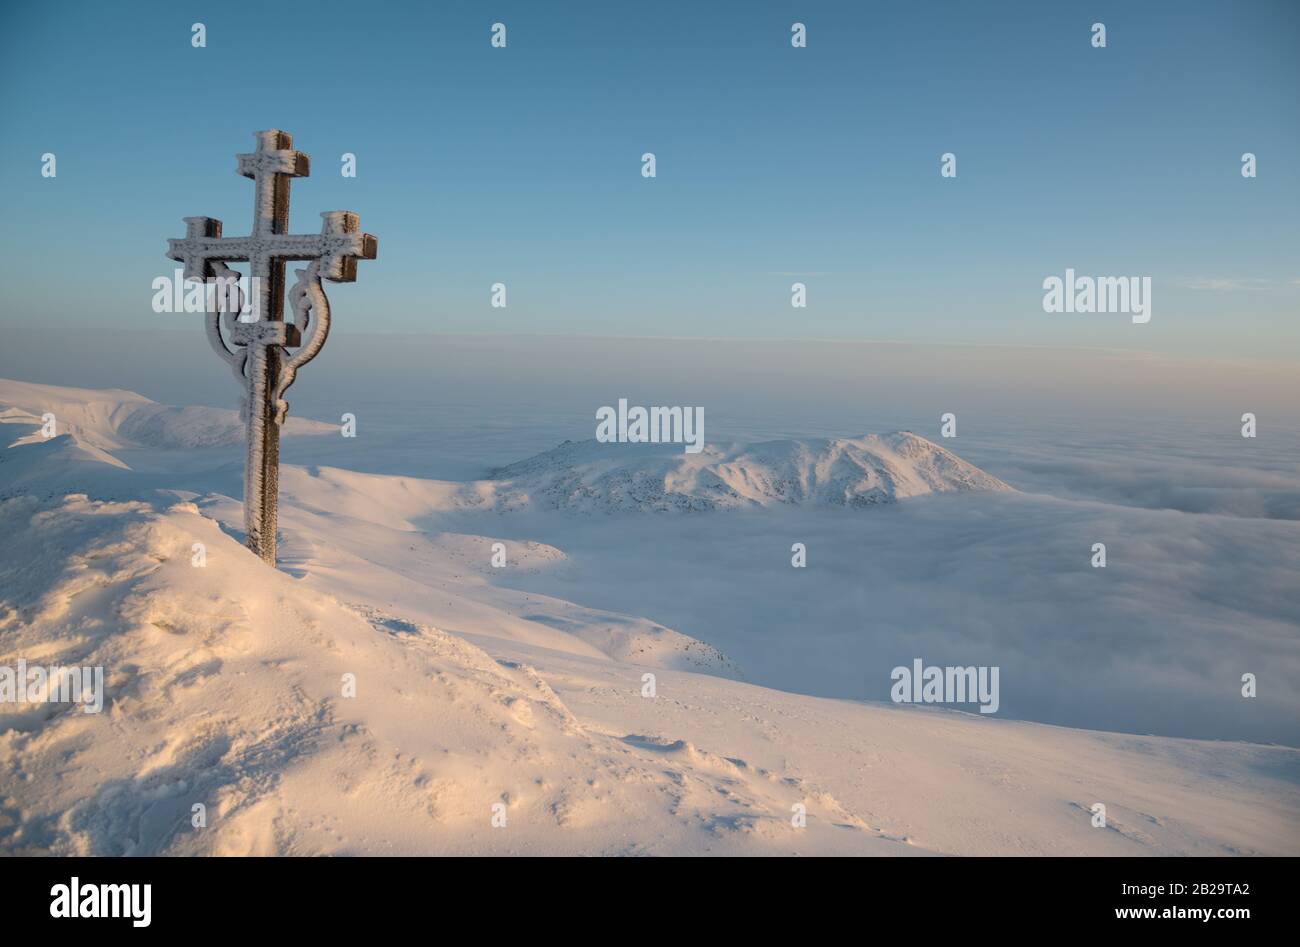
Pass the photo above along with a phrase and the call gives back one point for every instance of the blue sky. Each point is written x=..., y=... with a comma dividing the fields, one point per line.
x=775, y=164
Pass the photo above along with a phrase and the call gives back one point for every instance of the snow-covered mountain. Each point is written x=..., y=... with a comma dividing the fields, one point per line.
x=589, y=476
x=113, y=419
x=383, y=512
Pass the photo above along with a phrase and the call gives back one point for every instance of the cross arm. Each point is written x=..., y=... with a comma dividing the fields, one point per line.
x=338, y=246
x=200, y=232
x=341, y=230
x=274, y=155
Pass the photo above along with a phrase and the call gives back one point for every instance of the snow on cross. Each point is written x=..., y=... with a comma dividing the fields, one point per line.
x=260, y=357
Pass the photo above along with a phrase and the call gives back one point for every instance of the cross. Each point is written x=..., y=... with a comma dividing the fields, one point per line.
x=261, y=357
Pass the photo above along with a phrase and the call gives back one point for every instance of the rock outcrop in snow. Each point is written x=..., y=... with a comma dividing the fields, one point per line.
x=588, y=476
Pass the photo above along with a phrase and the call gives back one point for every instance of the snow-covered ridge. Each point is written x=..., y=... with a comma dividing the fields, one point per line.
x=112, y=419
x=589, y=476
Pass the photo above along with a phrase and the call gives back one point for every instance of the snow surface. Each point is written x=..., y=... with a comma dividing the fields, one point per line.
x=225, y=682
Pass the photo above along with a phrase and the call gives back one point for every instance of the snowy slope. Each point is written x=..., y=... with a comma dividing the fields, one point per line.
x=225, y=688
x=590, y=476
x=111, y=419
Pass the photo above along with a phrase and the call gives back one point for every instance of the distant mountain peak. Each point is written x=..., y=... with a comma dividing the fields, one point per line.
x=588, y=476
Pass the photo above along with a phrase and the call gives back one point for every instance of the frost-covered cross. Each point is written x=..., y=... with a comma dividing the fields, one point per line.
x=259, y=350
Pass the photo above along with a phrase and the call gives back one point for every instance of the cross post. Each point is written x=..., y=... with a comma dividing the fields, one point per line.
x=261, y=356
